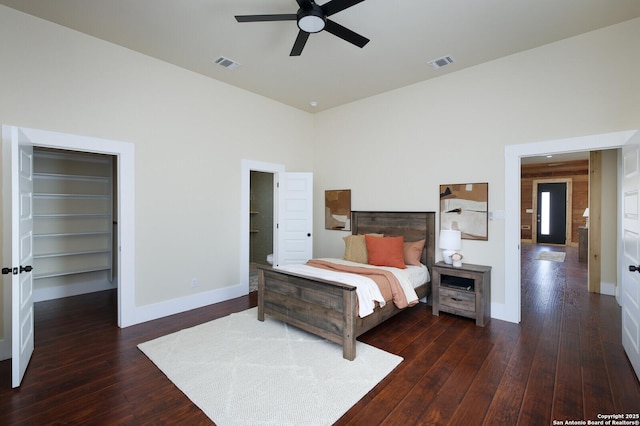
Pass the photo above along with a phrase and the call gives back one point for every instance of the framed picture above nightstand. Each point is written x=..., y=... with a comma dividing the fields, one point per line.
x=463, y=290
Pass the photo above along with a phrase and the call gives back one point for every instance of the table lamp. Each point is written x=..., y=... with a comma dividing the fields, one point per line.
x=450, y=240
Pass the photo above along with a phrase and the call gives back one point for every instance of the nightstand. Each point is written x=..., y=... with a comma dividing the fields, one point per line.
x=464, y=291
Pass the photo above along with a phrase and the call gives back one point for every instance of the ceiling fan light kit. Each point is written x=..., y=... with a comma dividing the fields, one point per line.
x=312, y=18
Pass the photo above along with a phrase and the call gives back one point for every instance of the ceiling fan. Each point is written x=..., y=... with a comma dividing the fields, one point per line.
x=312, y=18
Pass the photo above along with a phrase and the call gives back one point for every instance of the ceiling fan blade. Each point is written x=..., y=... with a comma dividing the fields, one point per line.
x=335, y=6
x=265, y=18
x=345, y=33
x=304, y=4
x=301, y=40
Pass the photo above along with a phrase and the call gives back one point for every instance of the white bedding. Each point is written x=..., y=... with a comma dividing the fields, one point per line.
x=366, y=289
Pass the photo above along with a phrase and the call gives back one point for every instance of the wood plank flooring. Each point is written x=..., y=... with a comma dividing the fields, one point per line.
x=564, y=361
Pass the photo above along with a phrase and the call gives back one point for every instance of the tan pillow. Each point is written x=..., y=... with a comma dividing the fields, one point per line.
x=355, y=248
x=413, y=252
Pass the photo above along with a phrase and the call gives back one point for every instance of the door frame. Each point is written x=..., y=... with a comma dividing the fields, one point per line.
x=568, y=201
x=511, y=311
x=125, y=171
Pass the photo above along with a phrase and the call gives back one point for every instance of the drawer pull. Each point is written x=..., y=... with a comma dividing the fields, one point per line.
x=456, y=299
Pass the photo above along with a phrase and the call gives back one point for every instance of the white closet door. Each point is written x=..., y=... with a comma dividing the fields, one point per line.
x=295, y=218
x=18, y=165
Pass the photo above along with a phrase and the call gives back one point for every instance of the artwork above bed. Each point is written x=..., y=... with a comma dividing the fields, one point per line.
x=337, y=209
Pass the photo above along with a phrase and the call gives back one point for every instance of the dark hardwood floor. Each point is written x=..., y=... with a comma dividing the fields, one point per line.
x=564, y=361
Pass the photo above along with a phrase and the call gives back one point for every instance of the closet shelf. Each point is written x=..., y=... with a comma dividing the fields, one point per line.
x=70, y=253
x=72, y=196
x=73, y=234
x=70, y=272
x=61, y=176
x=78, y=215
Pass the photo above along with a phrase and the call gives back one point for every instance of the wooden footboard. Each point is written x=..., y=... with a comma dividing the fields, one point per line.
x=324, y=308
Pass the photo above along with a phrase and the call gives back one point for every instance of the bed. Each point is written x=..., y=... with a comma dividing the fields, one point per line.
x=328, y=308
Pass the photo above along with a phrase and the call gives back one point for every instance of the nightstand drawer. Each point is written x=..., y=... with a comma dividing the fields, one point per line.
x=458, y=299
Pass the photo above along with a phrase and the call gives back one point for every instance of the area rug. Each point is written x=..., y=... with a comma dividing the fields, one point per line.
x=553, y=256
x=241, y=371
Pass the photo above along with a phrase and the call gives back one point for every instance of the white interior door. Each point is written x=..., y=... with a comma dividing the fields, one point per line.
x=630, y=230
x=18, y=165
x=294, y=241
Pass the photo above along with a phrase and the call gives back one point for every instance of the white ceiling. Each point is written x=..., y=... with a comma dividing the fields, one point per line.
x=405, y=36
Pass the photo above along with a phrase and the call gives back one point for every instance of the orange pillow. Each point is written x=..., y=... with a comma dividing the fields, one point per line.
x=386, y=251
x=413, y=252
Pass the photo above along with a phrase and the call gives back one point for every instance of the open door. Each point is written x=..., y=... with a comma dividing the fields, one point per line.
x=630, y=259
x=18, y=232
x=294, y=241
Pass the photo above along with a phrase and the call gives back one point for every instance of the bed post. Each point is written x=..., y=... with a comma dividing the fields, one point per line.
x=260, y=295
x=348, y=333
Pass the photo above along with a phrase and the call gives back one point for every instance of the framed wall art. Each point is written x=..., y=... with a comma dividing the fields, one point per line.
x=465, y=207
x=337, y=209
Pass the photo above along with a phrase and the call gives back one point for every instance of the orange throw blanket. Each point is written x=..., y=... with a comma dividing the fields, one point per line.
x=387, y=282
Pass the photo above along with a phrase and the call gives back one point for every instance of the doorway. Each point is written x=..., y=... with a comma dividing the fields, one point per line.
x=513, y=155
x=551, y=213
x=74, y=222
x=247, y=167
x=124, y=206
x=261, y=218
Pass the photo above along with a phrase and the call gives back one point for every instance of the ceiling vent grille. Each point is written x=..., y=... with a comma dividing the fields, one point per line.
x=226, y=62
x=441, y=62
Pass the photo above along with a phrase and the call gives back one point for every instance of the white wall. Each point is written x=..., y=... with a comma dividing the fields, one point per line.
x=190, y=134
x=394, y=150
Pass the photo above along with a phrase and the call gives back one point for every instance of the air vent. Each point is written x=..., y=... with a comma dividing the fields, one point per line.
x=226, y=62
x=441, y=62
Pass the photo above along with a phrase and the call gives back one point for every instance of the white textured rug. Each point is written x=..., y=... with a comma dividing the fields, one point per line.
x=241, y=371
x=554, y=256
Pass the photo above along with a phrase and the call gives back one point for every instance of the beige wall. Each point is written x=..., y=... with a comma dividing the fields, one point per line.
x=190, y=134
x=392, y=150
x=609, y=222
x=395, y=149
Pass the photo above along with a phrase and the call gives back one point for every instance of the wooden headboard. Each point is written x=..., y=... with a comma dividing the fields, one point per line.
x=413, y=226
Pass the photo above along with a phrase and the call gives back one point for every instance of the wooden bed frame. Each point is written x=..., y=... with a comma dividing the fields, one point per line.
x=327, y=308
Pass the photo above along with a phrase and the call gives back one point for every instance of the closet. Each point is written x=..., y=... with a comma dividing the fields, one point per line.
x=73, y=223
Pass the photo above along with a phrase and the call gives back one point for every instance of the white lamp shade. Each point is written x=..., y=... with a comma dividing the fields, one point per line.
x=450, y=239
x=586, y=212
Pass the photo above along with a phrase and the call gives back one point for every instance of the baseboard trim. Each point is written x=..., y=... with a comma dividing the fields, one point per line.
x=187, y=303
x=499, y=311
x=608, y=289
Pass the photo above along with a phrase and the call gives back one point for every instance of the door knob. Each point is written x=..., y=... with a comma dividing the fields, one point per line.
x=633, y=268
x=27, y=268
